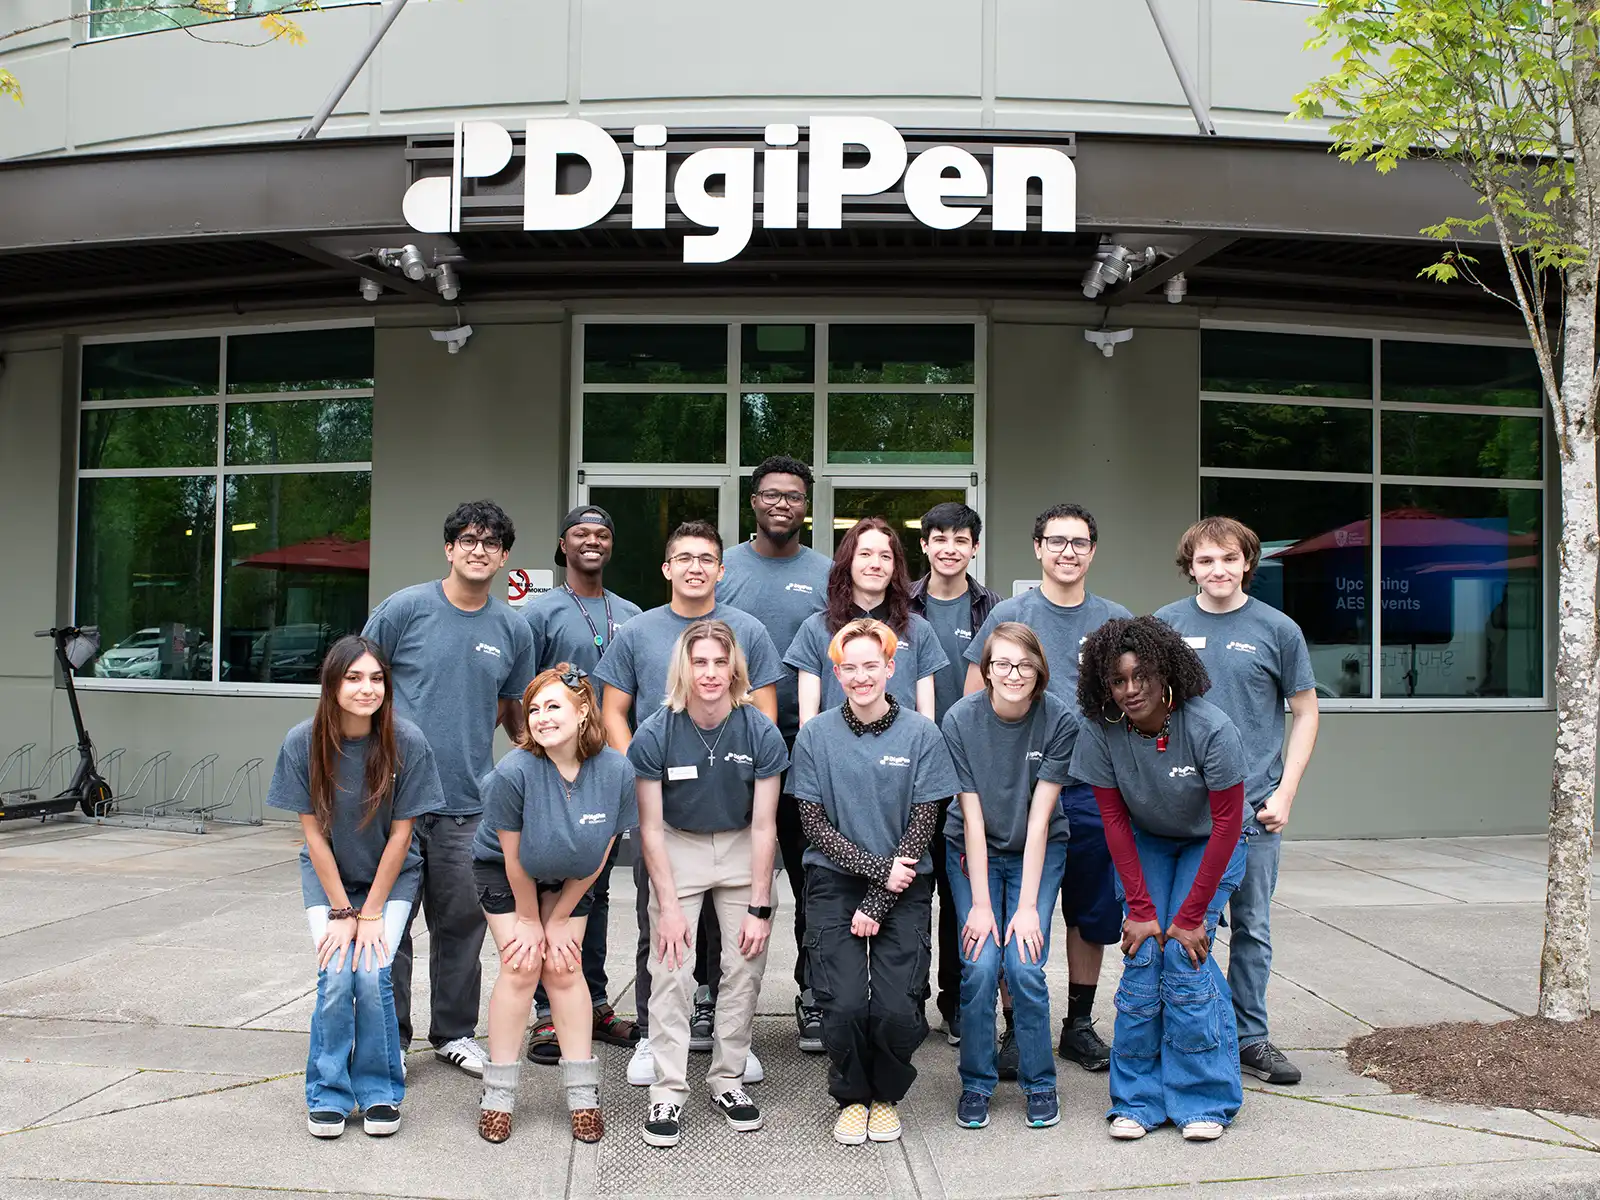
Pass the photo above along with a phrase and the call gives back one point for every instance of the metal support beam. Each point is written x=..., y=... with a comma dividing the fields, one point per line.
x=1157, y=275
x=362, y=270
x=314, y=126
x=1202, y=118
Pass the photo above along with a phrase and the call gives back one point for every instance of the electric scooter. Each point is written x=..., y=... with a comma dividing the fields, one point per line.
x=88, y=789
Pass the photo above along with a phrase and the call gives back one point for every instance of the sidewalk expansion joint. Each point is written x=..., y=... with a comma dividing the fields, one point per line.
x=264, y=1188
x=1583, y=1143
x=228, y=1087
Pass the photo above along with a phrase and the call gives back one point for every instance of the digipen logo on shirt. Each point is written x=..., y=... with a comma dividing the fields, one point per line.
x=964, y=633
x=733, y=757
x=1244, y=646
x=1035, y=755
x=799, y=587
x=894, y=760
x=592, y=819
x=1181, y=772
x=485, y=648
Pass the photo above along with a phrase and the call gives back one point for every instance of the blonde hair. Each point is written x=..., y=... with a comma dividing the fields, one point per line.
x=863, y=627
x=680, y=674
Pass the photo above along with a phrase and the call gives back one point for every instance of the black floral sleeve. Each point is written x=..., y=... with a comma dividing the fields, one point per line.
x=849, y=856
x=918, y=836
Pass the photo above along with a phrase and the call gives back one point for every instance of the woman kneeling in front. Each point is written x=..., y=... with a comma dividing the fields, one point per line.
x=358, y=776
x=552, y=809
x=1167, y=769
x=868, y=776
x=1006, y=849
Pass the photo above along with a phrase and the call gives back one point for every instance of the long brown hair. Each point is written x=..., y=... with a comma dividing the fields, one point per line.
x=591, y=731
x=1018, y=634
x=841, y=604
x=327, y=738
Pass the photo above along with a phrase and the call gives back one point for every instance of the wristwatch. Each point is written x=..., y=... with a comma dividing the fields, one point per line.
x=761, y=911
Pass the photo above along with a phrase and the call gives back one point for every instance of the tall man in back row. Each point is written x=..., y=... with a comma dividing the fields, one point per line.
x=780, y=583
x=1062, y=612
x=459, y=661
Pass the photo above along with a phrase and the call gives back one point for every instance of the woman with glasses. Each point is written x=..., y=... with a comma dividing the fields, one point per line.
x=868, y=579
x=1167, y=768
x=868, y=777
x=1006, y=848
x=359, y=776
x=553, y=808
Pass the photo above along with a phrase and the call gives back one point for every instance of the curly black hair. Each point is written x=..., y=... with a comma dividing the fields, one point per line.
x=1160, y=650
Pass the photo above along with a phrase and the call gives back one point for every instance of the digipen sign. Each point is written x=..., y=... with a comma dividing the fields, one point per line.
x=849, y=157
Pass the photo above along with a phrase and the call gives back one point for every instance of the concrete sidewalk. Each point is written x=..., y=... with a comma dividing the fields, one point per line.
x=156, y=989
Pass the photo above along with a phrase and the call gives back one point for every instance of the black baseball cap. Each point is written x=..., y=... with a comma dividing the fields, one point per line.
x=587, y=514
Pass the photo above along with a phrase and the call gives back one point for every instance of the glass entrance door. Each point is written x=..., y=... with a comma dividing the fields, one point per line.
x=646, y=511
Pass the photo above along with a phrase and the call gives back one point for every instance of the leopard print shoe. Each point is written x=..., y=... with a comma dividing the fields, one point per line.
x=588, y=1125
x=494, y=1126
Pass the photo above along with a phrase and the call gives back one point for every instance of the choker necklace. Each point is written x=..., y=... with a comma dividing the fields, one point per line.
x=860, y=728
x=1161, y=735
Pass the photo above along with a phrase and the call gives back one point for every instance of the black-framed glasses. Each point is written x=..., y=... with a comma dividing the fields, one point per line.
x=772, y=496
x=708, y=561
x=1001, y=667
x=1057, y=544
x=471, y=541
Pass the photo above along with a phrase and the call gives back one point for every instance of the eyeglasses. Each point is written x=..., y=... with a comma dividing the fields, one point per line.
x=470, y=542
x=1056, y=545
x=1000, y=668
x=684, y=560
x=771, y=496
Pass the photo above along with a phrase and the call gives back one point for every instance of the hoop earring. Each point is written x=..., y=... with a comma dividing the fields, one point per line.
x=1170, y=704
x=1116, y=720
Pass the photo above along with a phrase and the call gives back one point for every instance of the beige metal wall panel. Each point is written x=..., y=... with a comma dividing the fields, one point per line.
x=1088, y=50
x=446, y=56
x=1258, y=57
x=39, y=124
x=47, y=14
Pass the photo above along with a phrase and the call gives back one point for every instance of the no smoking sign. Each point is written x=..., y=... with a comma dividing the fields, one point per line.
x=522, y=585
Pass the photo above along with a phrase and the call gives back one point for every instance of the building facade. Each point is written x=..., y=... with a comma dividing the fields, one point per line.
x=236, y=402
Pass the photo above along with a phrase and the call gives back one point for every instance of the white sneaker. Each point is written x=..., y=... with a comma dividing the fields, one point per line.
x=754, y=1072
x=1202, y=1131
x=1126, y=1129
x=465, y=1053
x=642, y=1066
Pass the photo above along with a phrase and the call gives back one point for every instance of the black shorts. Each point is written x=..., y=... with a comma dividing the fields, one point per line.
x=1089, y=901
x=495, y=895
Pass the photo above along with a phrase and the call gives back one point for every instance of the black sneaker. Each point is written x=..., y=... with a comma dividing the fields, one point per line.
x=1265, y=1061
x=808, y=1017
x=325, y=1124
x=740, y=1110
x=1008, y=1059
x=381, y=1120
x=661, y=1127
x=1082, y=1045
x=702, y=1025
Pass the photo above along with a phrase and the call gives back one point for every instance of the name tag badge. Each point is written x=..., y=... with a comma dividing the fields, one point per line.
x=1196, y=643
x=678, y=774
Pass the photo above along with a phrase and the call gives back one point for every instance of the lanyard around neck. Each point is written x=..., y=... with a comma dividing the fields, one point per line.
x=601, y=643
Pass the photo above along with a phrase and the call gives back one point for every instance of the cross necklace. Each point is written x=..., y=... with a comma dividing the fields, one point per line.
x=711, y=747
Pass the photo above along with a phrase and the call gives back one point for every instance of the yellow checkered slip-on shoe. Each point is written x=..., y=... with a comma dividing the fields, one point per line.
x=883, y=1124
x=851, y=1127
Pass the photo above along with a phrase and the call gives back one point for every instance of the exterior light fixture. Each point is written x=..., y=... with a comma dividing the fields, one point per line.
x=447, y=281
x=1176, y=288
x=412, y=264
x=1114, y=264
x=371, y=289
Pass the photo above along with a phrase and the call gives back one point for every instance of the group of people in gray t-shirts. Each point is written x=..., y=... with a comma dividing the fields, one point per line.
x=884, y=740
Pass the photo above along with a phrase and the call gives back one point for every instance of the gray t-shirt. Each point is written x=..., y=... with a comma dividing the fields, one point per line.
x=1061, y=630
x=780, y=593
x=917, y=656
x=1257, y=659
x=951, y=621
x=562, y=634
x=1166, y=791
x=868, y=784
x=1003, y=761
x=708, y=790
x=565, y=830
x=357, y=851
x=640, y=658
x=449, y=669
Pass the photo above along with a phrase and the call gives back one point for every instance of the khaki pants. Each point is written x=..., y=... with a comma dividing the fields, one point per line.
x=712, y=867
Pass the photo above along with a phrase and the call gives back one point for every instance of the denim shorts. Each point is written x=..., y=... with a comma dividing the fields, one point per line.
x=496, y=898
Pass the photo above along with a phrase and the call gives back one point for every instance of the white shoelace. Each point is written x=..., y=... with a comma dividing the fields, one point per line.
x=663, y=1112
x=738, y=1096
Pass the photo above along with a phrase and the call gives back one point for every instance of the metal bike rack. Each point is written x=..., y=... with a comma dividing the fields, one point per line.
x=18, y=760
x=192, y=794
x=246, y=786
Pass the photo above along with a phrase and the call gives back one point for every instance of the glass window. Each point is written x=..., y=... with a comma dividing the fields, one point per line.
x=655, y=354
x=299, y=431
x=901, y=507
x=107, y=18
x=146, y=553
x=643, y=427
x=1285, y=364
x=777, y=354
x=1285, y=437
x=776, y=423
x=1454, y=373
x=1463, y=444
x=152, y=370
x=1462, y=614
x=644, y=517
x=901, y=353
x=164, y=435
x=295, y=579
x=303, y=360
x=900, y=427
x=1316, y=566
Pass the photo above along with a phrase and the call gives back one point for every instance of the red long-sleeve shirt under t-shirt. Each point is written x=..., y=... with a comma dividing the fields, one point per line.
x=1227, y=819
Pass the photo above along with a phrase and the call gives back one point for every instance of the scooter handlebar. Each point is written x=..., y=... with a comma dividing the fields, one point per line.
x=68, y=631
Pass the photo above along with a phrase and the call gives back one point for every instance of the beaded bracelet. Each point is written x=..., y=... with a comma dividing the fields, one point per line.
x=363, y=917
x=342, y=914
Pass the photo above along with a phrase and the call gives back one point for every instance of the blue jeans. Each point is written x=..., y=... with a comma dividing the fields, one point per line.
x=1250, y=943
x=980, y=977
x=354, y=1060
x=1175, y=1053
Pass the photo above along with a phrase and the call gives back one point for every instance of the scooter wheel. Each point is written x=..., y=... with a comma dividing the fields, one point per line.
x=96, y=800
